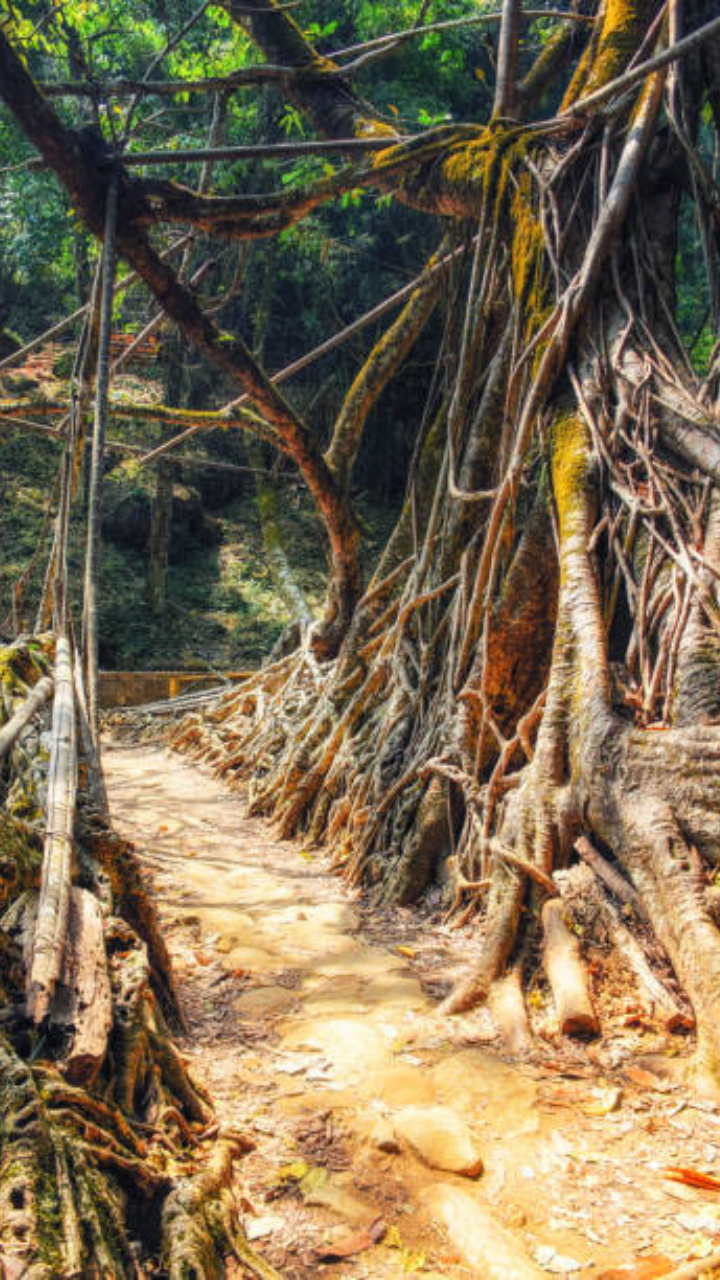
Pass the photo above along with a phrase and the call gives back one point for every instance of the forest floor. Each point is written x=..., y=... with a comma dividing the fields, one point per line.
x=312, y=1021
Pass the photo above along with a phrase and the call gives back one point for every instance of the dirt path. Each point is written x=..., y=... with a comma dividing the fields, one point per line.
x=313, y=1024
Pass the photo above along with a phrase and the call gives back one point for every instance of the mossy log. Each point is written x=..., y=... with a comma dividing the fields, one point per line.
x=26, y=712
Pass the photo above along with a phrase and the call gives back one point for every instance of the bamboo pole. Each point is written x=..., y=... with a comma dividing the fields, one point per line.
x=122, y=446
x=278, y=150
x=92, y=559
x=51, y=924
x=264, y=73
x=505, y=104
x=57, y=567
x=96, y=779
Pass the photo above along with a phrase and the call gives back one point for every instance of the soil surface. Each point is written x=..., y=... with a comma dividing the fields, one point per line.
x=389, y=1140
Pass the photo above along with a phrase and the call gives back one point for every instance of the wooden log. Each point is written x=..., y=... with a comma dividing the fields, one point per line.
x=51, y=924
x=83, y=1003
x=661, y=1003
x=566, y=973
x=507, y=1007
x=35, y=700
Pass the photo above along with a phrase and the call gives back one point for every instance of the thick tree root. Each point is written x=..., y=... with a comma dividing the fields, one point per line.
x=104, y=1162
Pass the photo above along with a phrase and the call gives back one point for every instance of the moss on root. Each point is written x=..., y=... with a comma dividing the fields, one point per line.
x=20, y=858
x=617, y=36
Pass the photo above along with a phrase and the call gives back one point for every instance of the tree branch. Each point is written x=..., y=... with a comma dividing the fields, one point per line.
x=266, y=73
x=86, y=181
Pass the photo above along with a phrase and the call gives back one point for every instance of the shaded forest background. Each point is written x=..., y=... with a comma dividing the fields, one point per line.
x=222, y=605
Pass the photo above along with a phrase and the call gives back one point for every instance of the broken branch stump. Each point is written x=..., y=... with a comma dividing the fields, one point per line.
x=566, y=973
x=83, y=1004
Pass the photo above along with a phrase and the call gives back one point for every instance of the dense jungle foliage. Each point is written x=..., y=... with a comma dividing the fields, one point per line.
x=223, y=603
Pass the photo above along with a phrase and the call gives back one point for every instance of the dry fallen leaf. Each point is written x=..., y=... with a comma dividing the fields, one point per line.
x=646, y=1079
x=603, y=1102
x=357, y=1243
x=648, y=1269
x=293, y=1172
x=693, y=1178
x=550, y=1260
x=258, y=1228
x=314, y=1178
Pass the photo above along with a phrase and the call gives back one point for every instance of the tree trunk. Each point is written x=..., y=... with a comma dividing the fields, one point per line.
x=160, y=536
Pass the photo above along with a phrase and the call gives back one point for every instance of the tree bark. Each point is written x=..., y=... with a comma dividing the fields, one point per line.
x=83, y=1004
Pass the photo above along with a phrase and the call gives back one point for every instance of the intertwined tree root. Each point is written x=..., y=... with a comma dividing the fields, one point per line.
x=535, y=666
x=109, y=1157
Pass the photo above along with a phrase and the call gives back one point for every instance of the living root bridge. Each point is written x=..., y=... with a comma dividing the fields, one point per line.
x=537, y=658
x=109, y=1154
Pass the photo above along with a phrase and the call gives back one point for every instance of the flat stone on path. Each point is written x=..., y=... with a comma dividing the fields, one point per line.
x=402, y=1086
x=476, y=1081
x=264, y=1002
x=440, y=1138
x=355, y=1048
x=395, y=992
x=339, y=1201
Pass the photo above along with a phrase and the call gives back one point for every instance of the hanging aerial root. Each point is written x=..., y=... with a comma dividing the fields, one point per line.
x=502, y=917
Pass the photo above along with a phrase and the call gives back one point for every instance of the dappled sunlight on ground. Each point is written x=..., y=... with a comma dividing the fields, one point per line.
x=312, y=1020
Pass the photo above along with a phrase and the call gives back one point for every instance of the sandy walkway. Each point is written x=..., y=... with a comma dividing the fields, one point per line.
x=311, y=1024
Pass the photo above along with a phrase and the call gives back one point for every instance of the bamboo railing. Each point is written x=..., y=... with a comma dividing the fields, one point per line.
x=51, y=924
